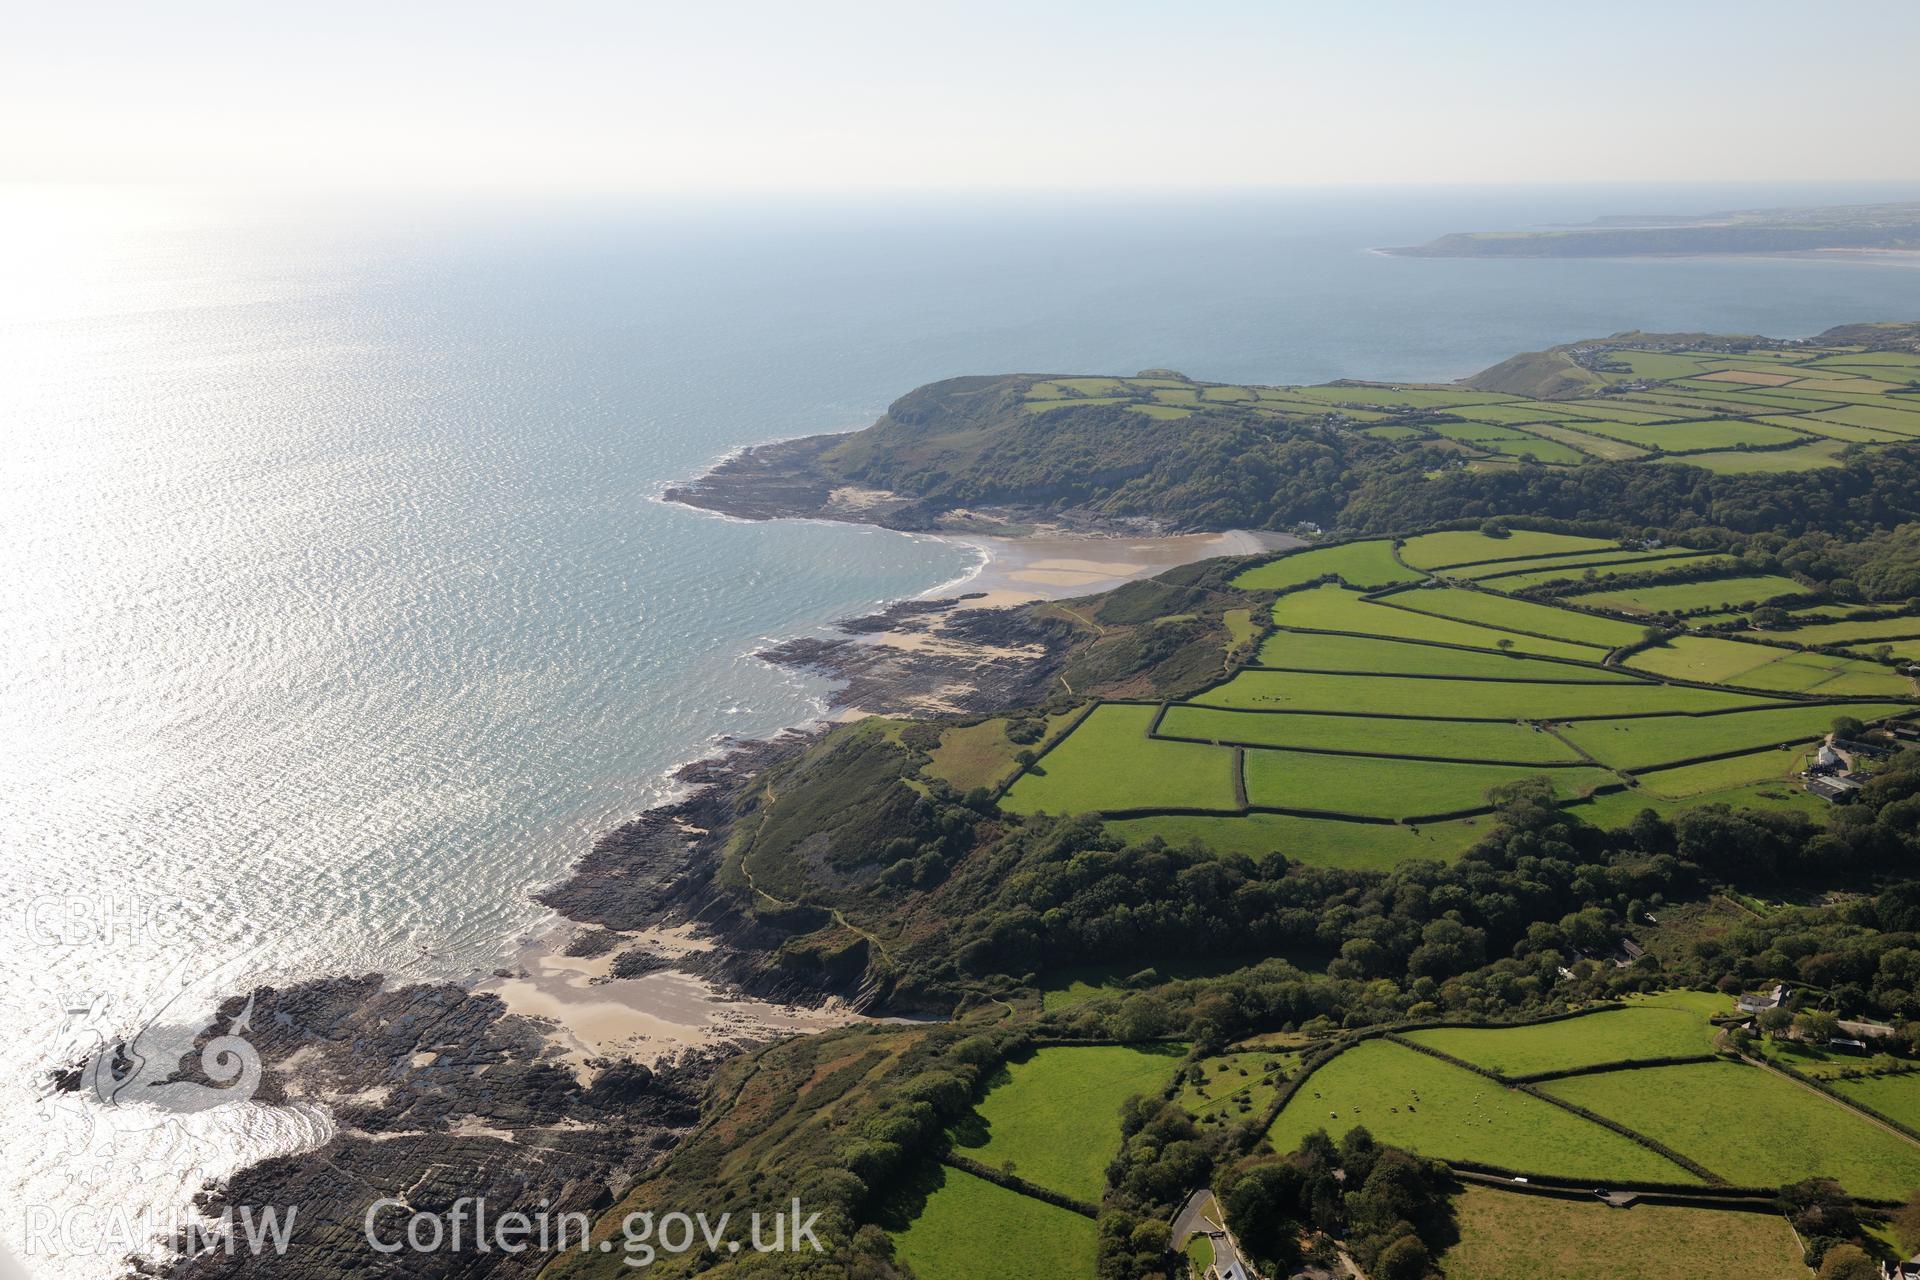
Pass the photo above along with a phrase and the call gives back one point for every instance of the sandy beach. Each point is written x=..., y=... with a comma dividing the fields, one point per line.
x=1060, y=566
x=592, y=1015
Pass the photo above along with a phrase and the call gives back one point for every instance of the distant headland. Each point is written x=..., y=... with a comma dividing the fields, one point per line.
x=1856, y=226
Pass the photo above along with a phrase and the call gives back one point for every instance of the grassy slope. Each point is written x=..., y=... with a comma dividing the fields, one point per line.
x=1410, y=1100
x=1390, y=695
x=1849, y=632
x=1756, y=666
x=1522, y=581
x=1687, y=781
x=1391, y=788
x=1504, y=1236
x=1110, y=763
x=1618, y=808
x=1056, y=1116
x=1894, y=1096
x=1751, y=1126
x=1468, y=546
x=1377, y=656
x=1358, y=846
x=1336, y=609
x=1612, y=1035
x=1491, y=610
x=1640, y=744
x=1714, y=593
x=1360, y=564
x=1507, y=742
x=974, y=1230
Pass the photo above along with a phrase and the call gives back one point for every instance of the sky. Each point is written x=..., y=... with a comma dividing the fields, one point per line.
x=541, y=96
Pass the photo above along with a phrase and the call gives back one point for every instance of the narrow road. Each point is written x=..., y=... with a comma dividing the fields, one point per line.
x=1201, y=1216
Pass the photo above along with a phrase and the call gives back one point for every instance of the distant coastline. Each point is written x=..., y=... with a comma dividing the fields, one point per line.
x=1876, y=228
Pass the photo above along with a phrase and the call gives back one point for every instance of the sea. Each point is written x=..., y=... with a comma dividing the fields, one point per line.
x=339, y=611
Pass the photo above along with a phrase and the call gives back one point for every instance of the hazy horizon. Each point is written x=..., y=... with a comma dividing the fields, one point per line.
x=594, y=97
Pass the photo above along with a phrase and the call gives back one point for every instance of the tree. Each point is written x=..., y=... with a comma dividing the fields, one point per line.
x=1848, y=1262
x=1906, y=1225
x=1358, y=1152
x=1407, y=1259
x=1774, y=1021
x=1817, y=1026
x=1494, y=528
x=1847, y=727
x=1263, y=1208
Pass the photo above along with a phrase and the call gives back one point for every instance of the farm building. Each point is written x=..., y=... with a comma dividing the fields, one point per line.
x=1762, y=1001
x=1832, y=790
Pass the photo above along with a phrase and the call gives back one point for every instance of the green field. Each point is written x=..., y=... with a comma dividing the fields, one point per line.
x=1407, y=1099
x=1757, y=666
x=1508, y=1236
x=1682, y=564
x=1083, y=402
x=1645, y=1030
x=1655, y=740
x=1714, y=776
x=1657, y=365
x=1414, y=696
x=1702, y=433
x=1110, y=763
x=1336, y=609
x=1618, y=808
x=1374, y=712
x=1395, y=396
x=1751, y=1126
x=1056, y=1116
x=1596, y=446
x=1372, y=788
x=971, y=1229
x=1459, y=740
x=1739, y=462
x=1896, y=1096
x=1853, y=633
x=1359, y=846
x=1469, y=546
x=1509, y=442
x=1822, y=425
x=1486, y=609
x=1359, y=564
x=1904, y=422
x=1705, y=658
x=1606, y=564
x=1314, y=652
x=1684, y=597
